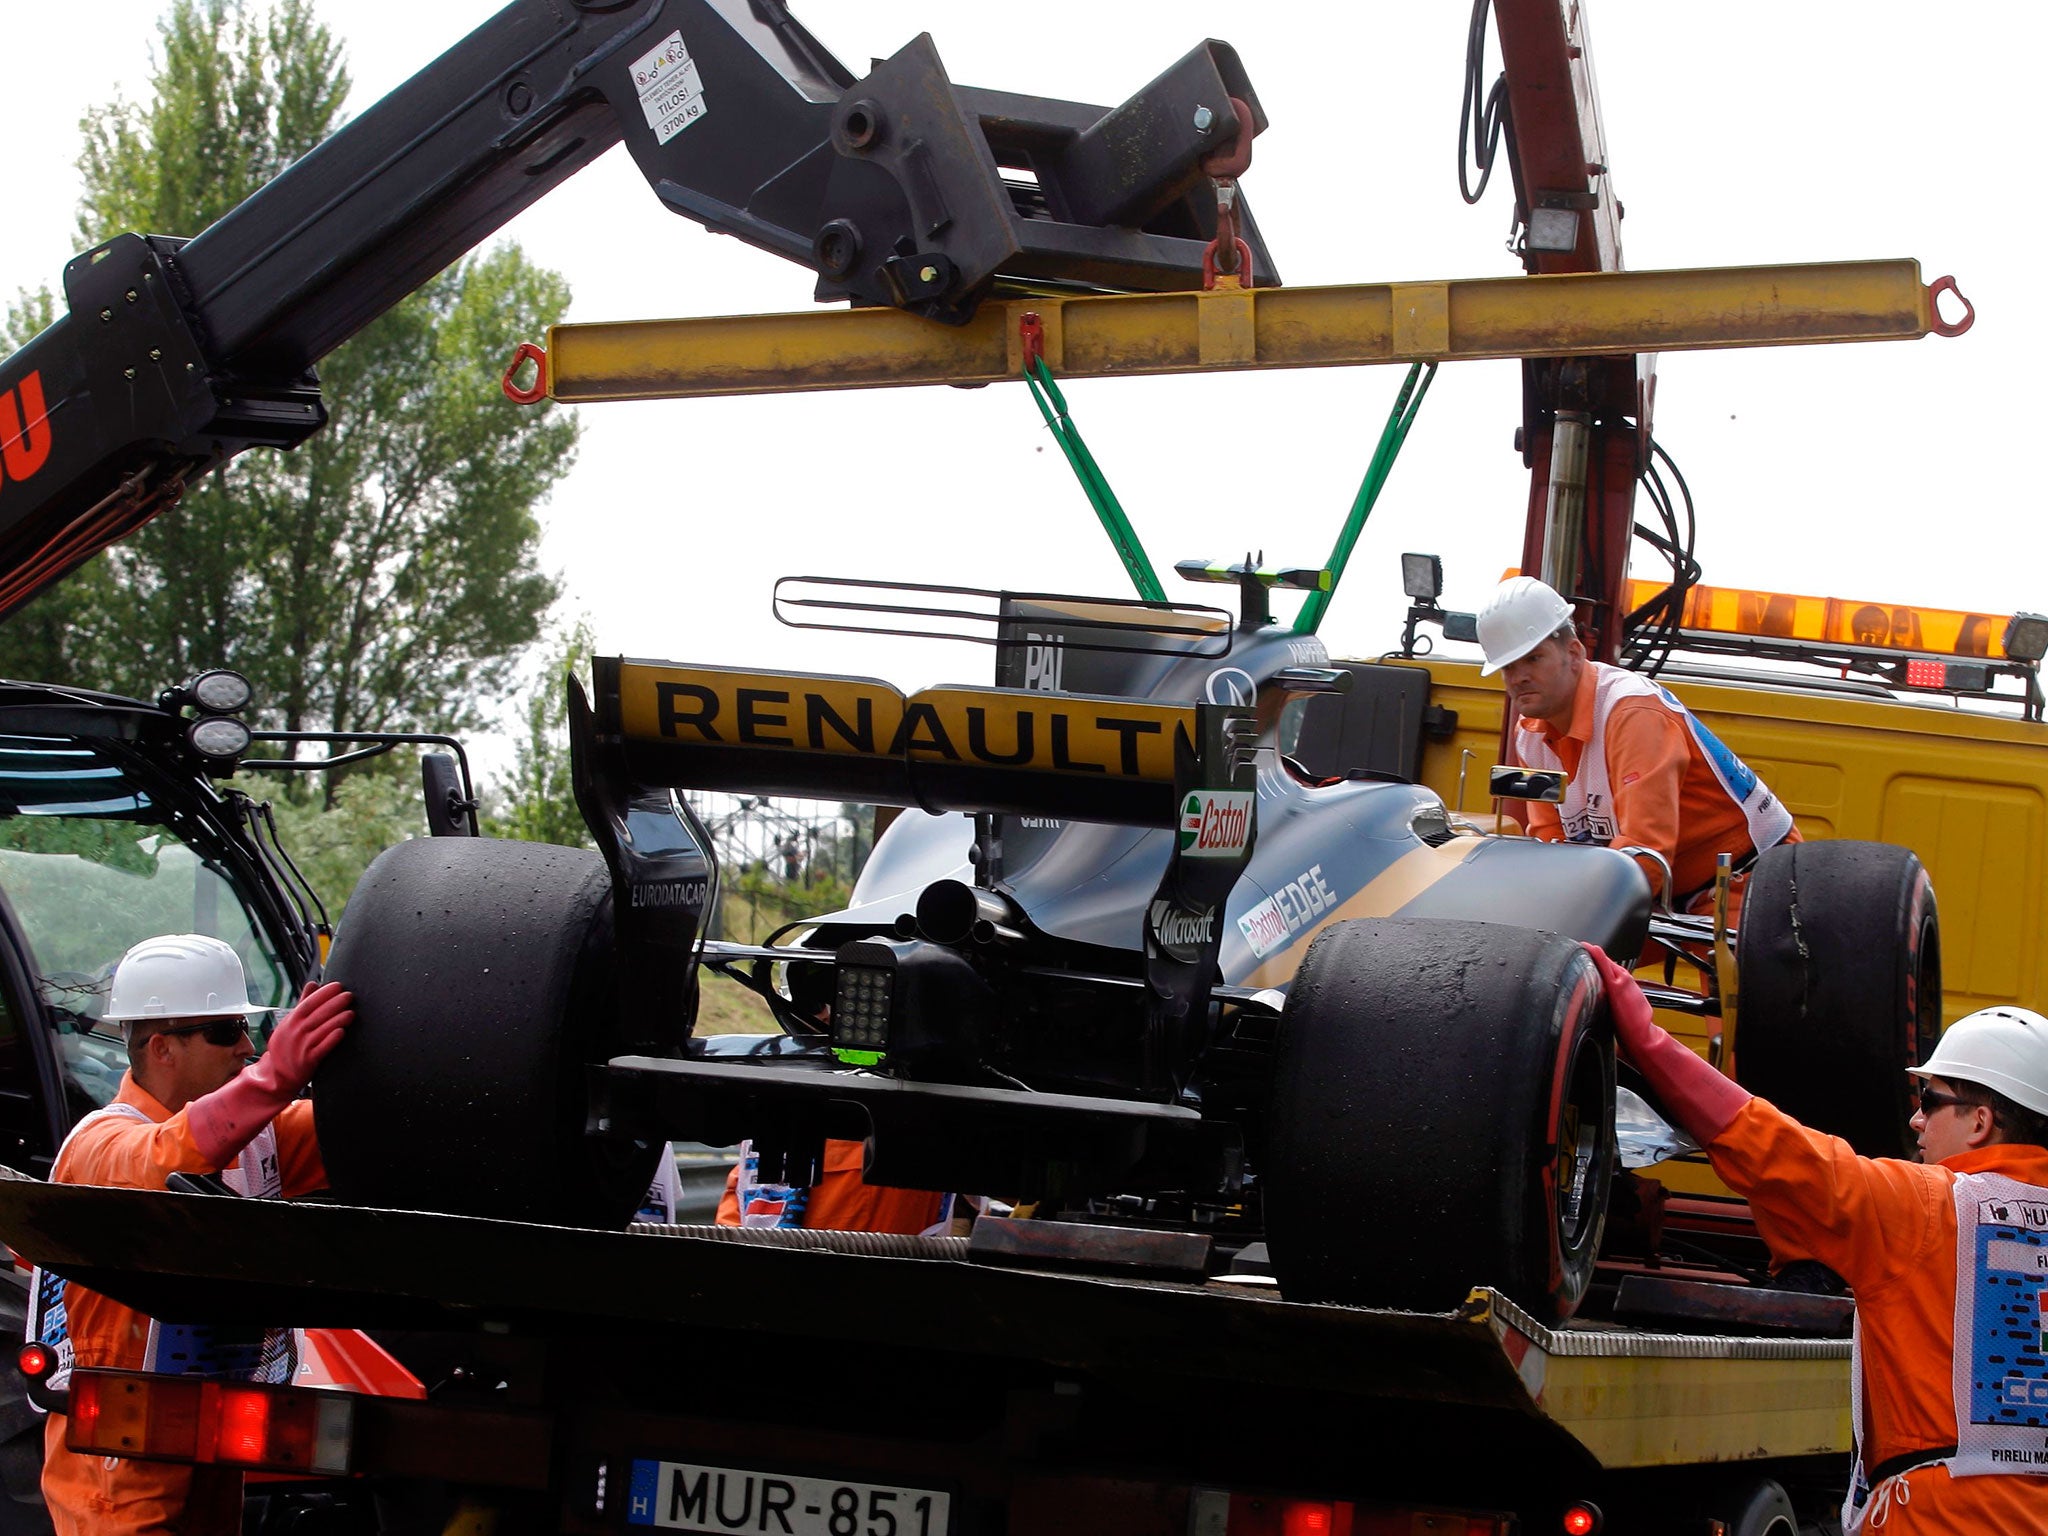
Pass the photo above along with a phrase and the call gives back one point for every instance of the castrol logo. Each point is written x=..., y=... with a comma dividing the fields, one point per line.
x=1216, y=823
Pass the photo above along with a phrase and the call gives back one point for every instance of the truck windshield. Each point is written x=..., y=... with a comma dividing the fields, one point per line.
x=89, y=865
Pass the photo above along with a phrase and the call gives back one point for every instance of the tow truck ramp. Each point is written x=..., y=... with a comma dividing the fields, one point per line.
x=773, y=1302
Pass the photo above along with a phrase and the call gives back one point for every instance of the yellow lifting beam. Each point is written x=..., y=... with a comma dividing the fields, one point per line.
x=1580, y=314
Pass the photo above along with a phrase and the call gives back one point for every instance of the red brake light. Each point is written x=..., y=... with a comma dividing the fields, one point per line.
x=35, y=1361
x=1926, y=674
x=1300, y=1517
x=1581, y=1520
x=85, y=1406
x=168, y=1418
x=244, y=1432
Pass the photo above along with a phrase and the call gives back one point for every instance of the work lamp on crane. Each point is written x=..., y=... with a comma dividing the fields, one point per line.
x=215, y=735
x=2026, y=636
x=1422, y=577
x=218, y=738
x=217, y=691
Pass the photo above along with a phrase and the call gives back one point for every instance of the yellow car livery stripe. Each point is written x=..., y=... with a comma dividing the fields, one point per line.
x=1393, y=888
x=971, y=727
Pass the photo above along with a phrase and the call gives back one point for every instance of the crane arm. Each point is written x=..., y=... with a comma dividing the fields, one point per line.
x=1585, y=421
x=175, y=355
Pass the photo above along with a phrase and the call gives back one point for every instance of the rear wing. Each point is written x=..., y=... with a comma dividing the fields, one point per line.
x=655, y=727
x=950, y=748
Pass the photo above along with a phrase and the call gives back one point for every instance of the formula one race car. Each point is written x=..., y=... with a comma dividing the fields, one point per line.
x=1159, y=967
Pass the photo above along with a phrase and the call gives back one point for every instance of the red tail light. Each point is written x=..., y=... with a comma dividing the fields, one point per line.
x=244, y=1432
x=1582, y=1520
x=1214, y=1512
x=35, y=1361
x=165, y=1418
x=1298, y=1517
x=85, y=1405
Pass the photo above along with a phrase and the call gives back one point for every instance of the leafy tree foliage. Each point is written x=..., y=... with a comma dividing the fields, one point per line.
x=382, y=576
x=334, y=843
x=535, y=803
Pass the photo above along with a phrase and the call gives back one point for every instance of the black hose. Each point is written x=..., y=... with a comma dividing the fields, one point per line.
x=1651, y=631
x=1490, y=107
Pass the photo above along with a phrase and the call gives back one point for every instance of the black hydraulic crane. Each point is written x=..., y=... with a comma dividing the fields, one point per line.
x=175, y=355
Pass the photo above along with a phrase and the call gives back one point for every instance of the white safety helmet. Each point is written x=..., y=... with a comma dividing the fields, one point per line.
x=2003, y=1049
x=179, y=976
x=1522, y=613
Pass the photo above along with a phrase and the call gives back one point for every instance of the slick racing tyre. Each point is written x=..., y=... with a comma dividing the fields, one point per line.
x=1442, y=1118
x=483, y=987
x=1838, y=964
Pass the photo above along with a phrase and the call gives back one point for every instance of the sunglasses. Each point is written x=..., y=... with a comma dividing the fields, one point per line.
x=214, y=1031
x=1932, y=1099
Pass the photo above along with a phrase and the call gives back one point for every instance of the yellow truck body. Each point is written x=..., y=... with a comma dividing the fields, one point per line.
x=1966, y=791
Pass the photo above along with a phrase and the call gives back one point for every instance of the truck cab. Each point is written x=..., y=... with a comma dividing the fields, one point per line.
x=112, y=829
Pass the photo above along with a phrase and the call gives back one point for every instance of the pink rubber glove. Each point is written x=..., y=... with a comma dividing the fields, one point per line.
x=1700, y=1098
x=227, y=1119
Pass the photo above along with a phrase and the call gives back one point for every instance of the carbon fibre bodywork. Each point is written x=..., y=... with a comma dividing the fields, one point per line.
x=1061, y=1014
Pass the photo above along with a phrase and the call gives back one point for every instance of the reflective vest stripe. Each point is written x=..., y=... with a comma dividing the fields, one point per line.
x=1587, y=813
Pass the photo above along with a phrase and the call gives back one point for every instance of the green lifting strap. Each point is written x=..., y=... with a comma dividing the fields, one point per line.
x=1052, y=405
x=1395, y=433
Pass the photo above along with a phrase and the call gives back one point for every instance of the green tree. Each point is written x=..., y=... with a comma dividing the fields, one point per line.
x=334, y=843
x=383, y=576
x=536, y=803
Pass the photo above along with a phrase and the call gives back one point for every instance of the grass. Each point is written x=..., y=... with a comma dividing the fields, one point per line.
x=727, y=1008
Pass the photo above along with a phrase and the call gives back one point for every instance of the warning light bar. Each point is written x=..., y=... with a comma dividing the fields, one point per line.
x=1836, y=621
x=1901, y=644
x=238, y=1424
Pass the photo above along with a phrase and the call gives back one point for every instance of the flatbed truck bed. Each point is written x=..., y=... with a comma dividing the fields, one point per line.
x=1036, y=1398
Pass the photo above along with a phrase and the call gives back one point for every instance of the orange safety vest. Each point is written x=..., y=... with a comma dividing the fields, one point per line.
x=841, y=1201
x=1645, y=772
x=138, y=1147
x=1890, y=1229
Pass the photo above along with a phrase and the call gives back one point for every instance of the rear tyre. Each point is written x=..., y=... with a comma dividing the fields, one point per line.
x=1760, y=1508
x=483, y=987
x=1442, y=1117
x=1768, y=1512
x=1839, y=958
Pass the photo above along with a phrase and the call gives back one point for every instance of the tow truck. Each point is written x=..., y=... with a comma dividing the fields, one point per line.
x=1098, y=1374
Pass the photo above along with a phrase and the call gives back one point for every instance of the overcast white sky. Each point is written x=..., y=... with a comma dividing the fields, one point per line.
x=1897, y=471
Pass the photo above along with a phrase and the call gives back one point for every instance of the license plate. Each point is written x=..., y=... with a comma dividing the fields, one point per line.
x=681, y=1496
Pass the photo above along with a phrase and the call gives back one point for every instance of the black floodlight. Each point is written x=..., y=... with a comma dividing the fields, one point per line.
x=220, y=739
x=220, y=692
x=2026, y=636
x=1422, y=577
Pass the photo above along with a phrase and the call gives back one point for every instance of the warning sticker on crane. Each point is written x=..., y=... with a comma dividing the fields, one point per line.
x=671, y=92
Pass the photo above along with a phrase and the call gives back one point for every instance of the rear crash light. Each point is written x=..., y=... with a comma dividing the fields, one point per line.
x=916, y=1002
x=168, y=1418
x=860, y=1013
x=1213, y=1512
